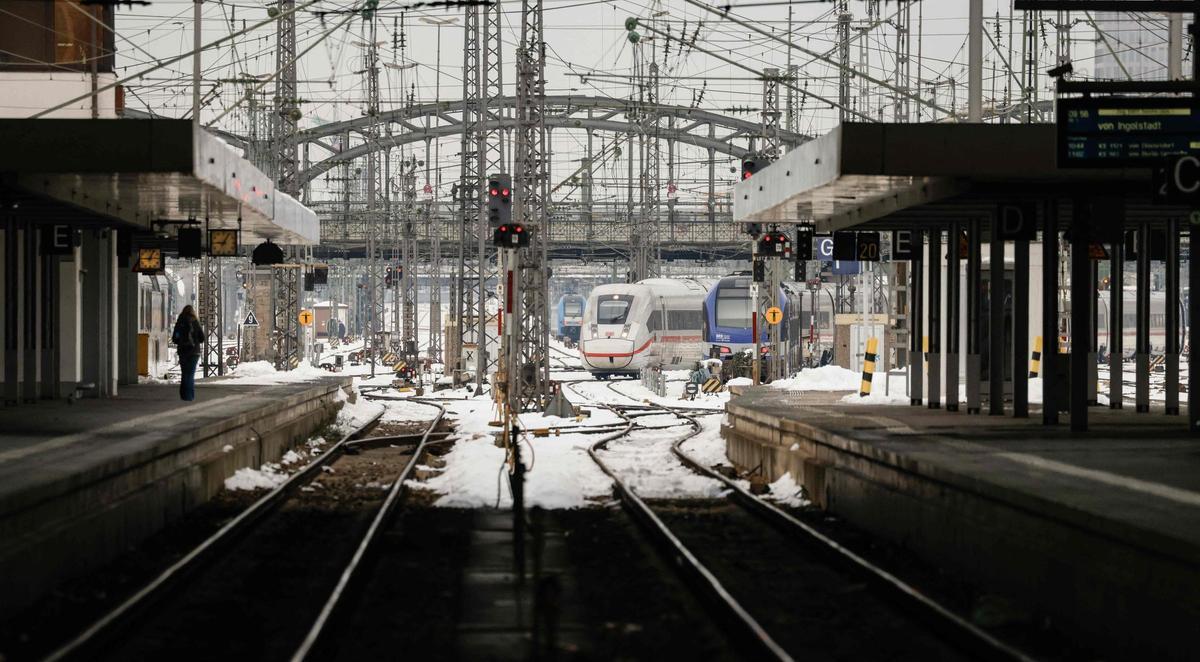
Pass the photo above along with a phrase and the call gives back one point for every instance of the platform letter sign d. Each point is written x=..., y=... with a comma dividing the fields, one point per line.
x=1017, y=221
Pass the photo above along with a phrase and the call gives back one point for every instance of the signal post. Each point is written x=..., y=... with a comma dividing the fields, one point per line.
x=772, y=248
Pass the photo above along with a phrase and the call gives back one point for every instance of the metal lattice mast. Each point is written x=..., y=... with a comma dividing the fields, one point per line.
x=903, y=71
x=410, y=258
x=642, y=239
x=287, y=110
x=285, y=295
x=491, y=155
x=843, y=40
x=434, y=228
x=209, y=300
x=770, y=141
x=464, y=291
x=529, y=373
x=374, y=219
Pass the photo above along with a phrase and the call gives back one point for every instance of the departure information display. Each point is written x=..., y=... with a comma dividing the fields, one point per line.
x=1107, y=132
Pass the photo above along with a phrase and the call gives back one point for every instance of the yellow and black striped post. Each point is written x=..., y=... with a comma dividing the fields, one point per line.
x=868, y=366
x=1035, y=359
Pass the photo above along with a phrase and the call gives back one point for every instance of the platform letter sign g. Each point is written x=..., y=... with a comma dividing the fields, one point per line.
x=1178, y=181
x=1186, y=175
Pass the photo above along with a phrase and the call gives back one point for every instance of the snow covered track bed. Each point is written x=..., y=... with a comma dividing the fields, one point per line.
x=263, y=583
x=766, y=575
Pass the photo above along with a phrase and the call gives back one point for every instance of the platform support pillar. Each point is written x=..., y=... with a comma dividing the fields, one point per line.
x=953, y=319
x=996, y=322
x=1116, y=325
x=1081, y=290
x=1142, y=353
x=13, y=313
x=1020, y=368
x=1171, y=318
x=1050, y=355
x=974, y=290
x=933, y=264
x=916, y=363
x=1193, y=315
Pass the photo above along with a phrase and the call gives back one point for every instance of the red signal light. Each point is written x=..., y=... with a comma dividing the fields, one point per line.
x=746, y=175
x=504, y=228
x=494, y=192
x=518, y=229
x=506, y=192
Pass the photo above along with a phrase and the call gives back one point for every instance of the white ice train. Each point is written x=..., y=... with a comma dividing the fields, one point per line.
x=628, y=326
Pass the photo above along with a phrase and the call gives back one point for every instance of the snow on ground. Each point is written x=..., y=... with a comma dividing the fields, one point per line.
x=644, y=461
x=561, y=473
x=400, y=411
x=707, y=447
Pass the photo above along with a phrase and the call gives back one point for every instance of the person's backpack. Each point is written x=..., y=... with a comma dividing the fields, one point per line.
x=184, y=336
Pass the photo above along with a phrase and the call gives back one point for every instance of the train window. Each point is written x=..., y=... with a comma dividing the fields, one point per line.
x=654, y=322
x=684, y=319
x=733, y=307
x=613, y=310
x=572, y=308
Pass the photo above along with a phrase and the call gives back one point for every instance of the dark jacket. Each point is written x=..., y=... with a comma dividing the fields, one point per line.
x=188, y=336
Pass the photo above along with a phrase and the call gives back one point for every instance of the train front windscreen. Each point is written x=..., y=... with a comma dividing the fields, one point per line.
x=733, y=307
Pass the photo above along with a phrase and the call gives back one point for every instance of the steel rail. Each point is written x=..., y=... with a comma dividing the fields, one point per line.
x=695, y=573
x=945, y=621
x=118, y=618
x=368, y=541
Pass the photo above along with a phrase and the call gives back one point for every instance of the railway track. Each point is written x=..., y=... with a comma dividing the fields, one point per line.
x=783, y=589
x=264, y=585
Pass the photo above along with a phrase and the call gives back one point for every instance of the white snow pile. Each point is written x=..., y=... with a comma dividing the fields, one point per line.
x=740, y=381
x=264, y=373
x=786, y=492
x=355, y=414
x=267, y=477
x=825, y=378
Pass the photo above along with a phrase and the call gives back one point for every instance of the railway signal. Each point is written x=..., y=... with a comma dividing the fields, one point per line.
x=750, y=165
x=510, y=235
x=773, y=244
x=499, y=194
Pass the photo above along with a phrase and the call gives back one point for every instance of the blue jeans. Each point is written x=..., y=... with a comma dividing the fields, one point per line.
x=187, y=370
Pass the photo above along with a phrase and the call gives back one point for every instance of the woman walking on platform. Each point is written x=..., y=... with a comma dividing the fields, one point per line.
x=188, y=338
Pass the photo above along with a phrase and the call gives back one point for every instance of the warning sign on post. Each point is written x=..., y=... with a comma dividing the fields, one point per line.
x=305, y=317
x=774, y=315
x=251, y=320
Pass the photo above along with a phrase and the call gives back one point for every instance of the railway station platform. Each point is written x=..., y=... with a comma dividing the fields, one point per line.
x=79, y=484
x=1100, y=532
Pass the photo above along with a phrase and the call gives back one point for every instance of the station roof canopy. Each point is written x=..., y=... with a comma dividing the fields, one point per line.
x=139, y=171
x=890, y=176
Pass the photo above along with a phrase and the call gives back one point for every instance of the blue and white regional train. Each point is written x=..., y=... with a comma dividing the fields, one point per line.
x=728, y=324
x=568, y=316
x=628, y=326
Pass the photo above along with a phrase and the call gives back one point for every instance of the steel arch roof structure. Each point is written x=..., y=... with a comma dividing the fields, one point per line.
x=562, y=112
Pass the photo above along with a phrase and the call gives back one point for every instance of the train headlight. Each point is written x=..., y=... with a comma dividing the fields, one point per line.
x=625, y=331
x=595, y=331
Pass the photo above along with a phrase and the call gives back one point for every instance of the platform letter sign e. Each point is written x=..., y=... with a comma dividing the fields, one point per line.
x=902, y=245
x=59, y=240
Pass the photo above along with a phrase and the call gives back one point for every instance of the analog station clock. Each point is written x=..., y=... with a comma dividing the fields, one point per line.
x=222, y=243
x=149, y=260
